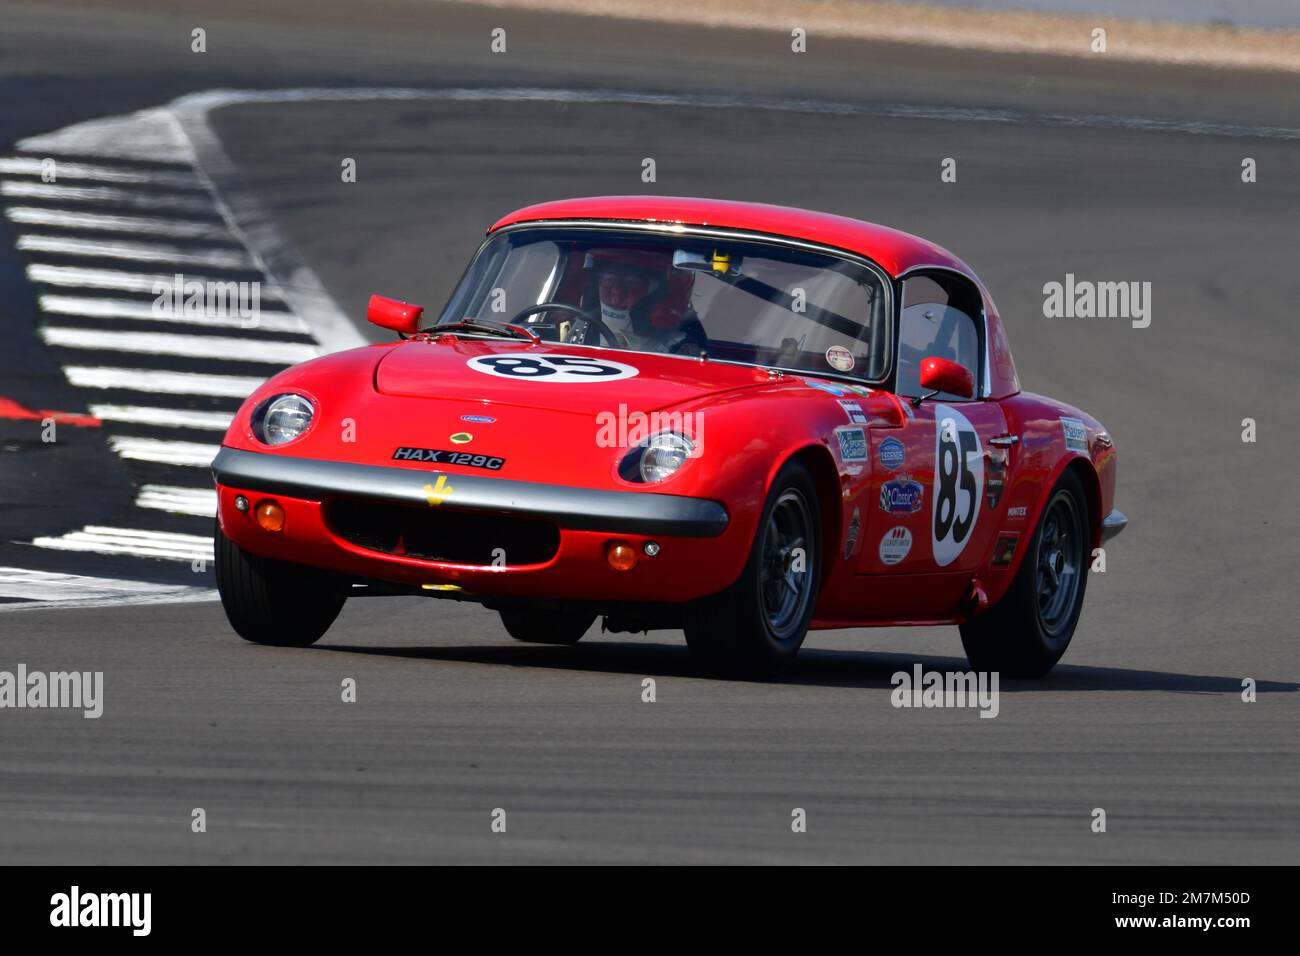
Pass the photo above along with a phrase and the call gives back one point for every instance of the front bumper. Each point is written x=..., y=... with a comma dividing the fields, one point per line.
x=1113, y=524
x=700, y=550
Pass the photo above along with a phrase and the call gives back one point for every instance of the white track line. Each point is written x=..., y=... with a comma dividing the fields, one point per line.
x=124, y=281
x=188, y=453
x=167, y=417
x=48, y=589
x=145, y=544
x=188, y=346
x=110, y=308
x=160, y=382
x=102, y=222
x=67, y=169
x=136, y=251
x=108, y=195
x=201, y=502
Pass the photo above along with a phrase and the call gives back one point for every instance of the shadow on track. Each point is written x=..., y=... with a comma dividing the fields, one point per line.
x=815, y=668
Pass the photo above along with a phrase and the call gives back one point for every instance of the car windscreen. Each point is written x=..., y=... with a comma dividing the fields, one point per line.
x=741, y=300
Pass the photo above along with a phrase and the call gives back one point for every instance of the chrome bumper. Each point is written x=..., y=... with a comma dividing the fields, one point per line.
x=1113, y=524
x=585, y=509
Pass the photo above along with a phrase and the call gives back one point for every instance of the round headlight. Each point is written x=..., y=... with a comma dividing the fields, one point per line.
x=286, y=418
x=664, y=454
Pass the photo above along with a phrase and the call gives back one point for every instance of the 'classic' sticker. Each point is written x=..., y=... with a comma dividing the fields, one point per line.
x=558, y=369
x=958, y=483
x=895, y=545
x=901, y=496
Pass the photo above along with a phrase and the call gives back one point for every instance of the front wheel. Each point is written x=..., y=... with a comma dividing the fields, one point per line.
x=1026, y=632
x=274, y=602
x=758, y=624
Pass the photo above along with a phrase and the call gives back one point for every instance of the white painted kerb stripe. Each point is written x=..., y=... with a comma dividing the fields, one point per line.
x=125, y=281
x=189, y=453
x=99, y=222
x=145, y=544
x=191, y=501
x=63, y=169
x=166, y=417
x=169, y=383
x=189, y=346
x=112, y=308
x=136, y=252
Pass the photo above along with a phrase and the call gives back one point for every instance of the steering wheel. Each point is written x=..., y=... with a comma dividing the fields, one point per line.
x=592, y=318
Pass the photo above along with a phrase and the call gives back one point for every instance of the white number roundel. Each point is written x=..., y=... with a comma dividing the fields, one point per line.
x=958, y=483
x=559, y=369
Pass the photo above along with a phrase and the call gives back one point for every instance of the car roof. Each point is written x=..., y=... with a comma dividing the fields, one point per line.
x=894, y=251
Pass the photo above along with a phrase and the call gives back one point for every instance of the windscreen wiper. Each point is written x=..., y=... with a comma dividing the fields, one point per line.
x=491, y=327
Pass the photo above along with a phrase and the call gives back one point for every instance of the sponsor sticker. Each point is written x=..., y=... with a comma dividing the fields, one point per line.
x=895, y=545
x=1076, y=435
x=824, y=386
x=892, y=453
x=996, y=476
x=442, y=456
x=1020, y=512
x=852, y=409
x=478, y=419
x=853, y=443
x=551, y=369
x=851, y=536
x=901, y=496
x=839, y=358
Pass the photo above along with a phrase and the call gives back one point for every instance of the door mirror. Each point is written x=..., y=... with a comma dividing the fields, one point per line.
x=942, y=375
x=388, y=313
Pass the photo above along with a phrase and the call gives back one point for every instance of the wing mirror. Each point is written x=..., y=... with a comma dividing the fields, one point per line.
x=401, y=317
x=941, y=375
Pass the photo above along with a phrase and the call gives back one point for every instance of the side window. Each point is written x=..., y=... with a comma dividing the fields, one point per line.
x=938, y=319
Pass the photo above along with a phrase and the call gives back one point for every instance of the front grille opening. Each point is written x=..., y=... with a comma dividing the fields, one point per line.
x=441, y=534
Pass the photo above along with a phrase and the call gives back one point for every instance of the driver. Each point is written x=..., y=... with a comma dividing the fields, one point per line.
x=644, y=302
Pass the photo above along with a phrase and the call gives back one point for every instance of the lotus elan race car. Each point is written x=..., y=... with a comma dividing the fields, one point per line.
x=739, y=420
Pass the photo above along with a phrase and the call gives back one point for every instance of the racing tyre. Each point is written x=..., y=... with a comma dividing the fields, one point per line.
x=546, y=627
x=757, y=625
x=1025, y=633
x=273, y=602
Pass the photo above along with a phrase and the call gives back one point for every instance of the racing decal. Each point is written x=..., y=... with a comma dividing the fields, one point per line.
x=478, y=419
x=559, y=369
x=824, y=386
x=854, y=410
x=1020, y=512
x=861, y=390
x=1005, y=549
x=839, y=358
x=853, y=443
x=443, y=457
x=895, y=545
x=461, y=438
x=892, y=453
x=997, y=476
x=1076, y=435
x=958, y=483
x=851, y=537
x=436, y=494
x=901, y=496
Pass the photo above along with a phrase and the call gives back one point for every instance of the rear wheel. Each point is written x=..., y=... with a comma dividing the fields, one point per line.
x=1025, y=633
x=274, y=602
x=546, y=626
x=758, y=624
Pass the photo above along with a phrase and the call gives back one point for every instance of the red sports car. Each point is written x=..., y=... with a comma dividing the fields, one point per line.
x=736, y=419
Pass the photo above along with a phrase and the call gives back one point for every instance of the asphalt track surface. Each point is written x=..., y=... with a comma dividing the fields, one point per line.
x=453, y=719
